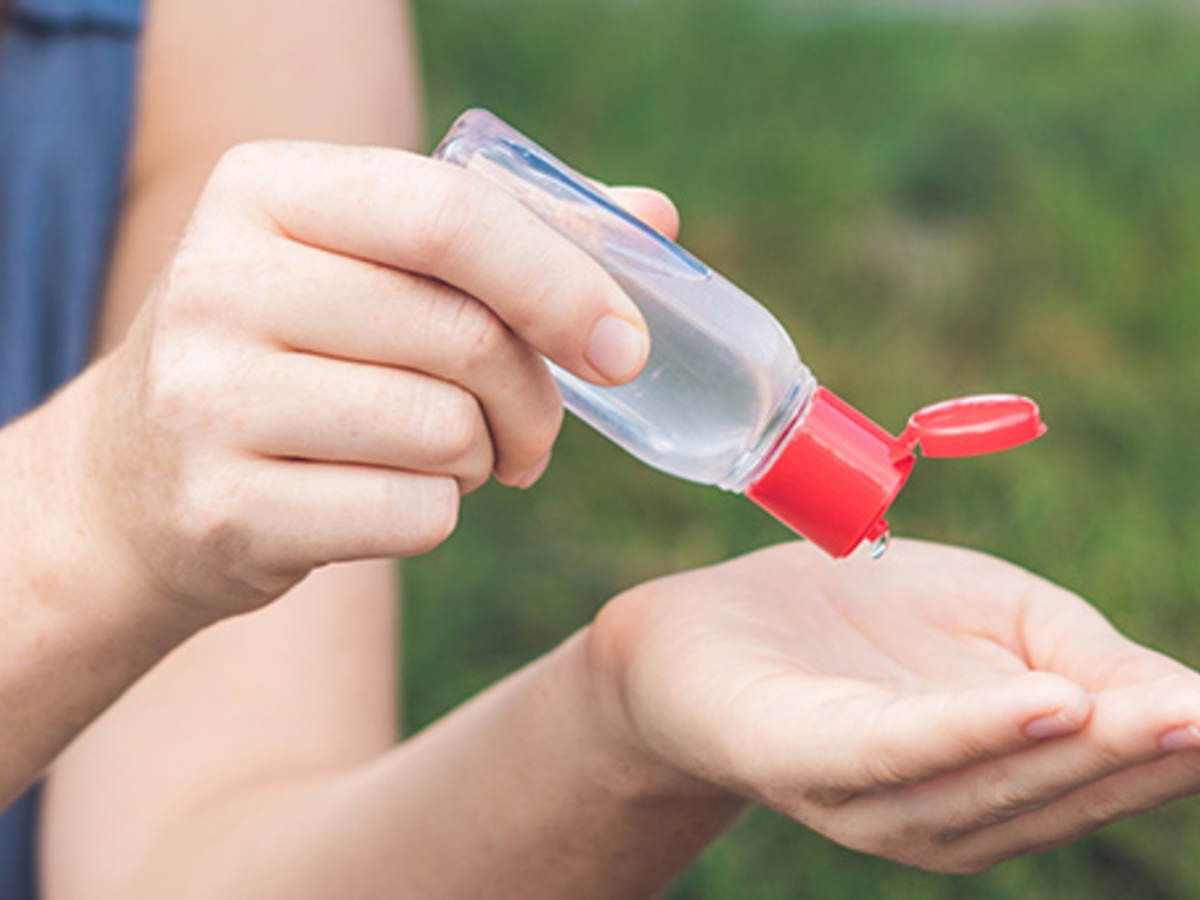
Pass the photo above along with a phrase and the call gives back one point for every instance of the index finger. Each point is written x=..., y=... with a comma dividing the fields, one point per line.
x=435, y=219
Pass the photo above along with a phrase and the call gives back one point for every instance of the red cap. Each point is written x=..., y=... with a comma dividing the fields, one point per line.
x=838, y=472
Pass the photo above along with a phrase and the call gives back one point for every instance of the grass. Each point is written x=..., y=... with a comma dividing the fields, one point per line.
x=932, y=208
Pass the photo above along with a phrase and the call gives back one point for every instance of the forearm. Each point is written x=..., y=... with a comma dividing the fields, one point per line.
x=77, y=630
x=516, y=794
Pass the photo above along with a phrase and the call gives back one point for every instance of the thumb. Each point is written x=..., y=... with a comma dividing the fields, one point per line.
x=651, y=206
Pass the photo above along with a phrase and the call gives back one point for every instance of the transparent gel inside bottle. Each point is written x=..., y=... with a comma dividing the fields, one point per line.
x=723, y=383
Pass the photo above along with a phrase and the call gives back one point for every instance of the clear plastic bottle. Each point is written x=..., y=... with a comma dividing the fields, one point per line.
x=724, y=398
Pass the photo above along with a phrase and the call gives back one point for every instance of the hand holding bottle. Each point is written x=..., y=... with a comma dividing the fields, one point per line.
x=345, y=340
x=941, y=708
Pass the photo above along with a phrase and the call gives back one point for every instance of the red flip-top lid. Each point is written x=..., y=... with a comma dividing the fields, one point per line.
x=838, y=472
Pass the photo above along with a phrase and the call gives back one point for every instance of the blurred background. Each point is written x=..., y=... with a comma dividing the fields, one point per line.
x=936, y=199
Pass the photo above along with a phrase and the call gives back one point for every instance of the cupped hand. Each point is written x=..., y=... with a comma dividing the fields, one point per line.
x=345, y=340
x=940, y=707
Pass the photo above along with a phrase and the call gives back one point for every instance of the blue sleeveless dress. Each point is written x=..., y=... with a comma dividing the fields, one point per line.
x=67, y=71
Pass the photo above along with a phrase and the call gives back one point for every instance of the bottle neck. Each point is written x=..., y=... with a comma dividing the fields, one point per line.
x=773, y=437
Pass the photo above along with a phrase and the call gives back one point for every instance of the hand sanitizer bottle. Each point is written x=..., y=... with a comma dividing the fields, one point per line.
x=724, y=398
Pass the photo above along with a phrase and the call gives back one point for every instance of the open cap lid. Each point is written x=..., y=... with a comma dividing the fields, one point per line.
x=837, y=471
x=972, y=426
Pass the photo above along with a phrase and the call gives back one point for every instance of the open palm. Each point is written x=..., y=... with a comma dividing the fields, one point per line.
x=941, y=707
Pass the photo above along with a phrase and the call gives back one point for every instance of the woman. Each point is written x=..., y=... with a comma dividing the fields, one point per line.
x=340, y=343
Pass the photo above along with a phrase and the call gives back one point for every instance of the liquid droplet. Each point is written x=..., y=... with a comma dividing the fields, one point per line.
x=879, y=546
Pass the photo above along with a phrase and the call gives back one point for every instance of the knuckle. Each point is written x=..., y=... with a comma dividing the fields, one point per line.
x=876, y=772
x=829, y=796
x=1000, y=797
x=477, y=334
x=448, y=218
x=566, y=294
x=238, y=165
x=543, y=310
x=959, y=827
x=232, y=168
x=438, y=512
x=473, y=480
x=209, y=516
x=477, y=466
x=1109, y=754
x=221, y=550
x=879, y=769
x=451, y=426
x=1104, y=807
x=212, y=278
x=172, y=389
x=878, y=762
x=165, y=395
x=561, y=300
x=191, y=391
x=459, y=438
x=186, y=289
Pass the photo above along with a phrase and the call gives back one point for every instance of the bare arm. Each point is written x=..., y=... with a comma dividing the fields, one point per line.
x=73, y=634
x=513, y=795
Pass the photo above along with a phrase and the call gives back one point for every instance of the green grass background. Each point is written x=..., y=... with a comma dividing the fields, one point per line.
x=932, y=207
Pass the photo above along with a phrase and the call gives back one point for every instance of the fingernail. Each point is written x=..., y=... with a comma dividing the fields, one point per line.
x=1051, y=726
x=617, y=349
x=1186, y=737
x=527, y=478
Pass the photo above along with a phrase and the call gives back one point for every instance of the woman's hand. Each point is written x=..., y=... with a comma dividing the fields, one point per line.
x=345, y=341
x=940, y=708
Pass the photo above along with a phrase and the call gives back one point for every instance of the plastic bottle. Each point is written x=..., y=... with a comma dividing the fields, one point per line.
x=724, y=398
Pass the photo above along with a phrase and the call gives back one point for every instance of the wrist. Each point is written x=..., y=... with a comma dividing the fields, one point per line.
x=620, y=757
x=75, y=564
